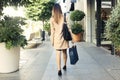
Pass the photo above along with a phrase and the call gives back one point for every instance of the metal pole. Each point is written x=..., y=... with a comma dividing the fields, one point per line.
x=99, y=22
x=112, y=49
x=113, y=3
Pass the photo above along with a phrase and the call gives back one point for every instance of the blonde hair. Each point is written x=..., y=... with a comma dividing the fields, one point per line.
x=57, y=13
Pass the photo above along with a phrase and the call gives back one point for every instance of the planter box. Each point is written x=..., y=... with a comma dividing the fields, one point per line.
x=9, y=59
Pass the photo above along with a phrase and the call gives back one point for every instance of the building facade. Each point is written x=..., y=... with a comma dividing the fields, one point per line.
x=96, y=14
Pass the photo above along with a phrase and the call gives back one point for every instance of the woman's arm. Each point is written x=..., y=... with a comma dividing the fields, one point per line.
x=52, y=31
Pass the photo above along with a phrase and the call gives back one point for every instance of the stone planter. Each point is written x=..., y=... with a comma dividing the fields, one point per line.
x=9, y=59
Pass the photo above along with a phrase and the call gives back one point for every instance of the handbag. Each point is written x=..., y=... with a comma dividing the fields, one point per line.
x=73, y=54
x=66, y=33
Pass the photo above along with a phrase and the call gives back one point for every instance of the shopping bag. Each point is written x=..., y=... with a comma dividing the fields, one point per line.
x=73, y=54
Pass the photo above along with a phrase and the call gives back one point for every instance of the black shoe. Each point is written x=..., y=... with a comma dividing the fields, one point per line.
x=59, y=73
x=64, y=68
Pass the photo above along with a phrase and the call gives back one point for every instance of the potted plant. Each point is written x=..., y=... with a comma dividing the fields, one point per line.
x=11, y=39
x=112, y=28
x=76, y=27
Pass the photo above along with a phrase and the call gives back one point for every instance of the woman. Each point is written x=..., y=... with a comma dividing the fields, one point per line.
x=57, y=40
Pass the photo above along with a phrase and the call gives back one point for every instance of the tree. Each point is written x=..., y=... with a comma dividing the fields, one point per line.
x=33, y=10
x=13, y=3
x=45, y=12
x=39, y=10
x=112, y=28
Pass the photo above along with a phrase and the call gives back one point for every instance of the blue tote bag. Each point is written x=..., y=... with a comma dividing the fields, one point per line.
x=73, y=54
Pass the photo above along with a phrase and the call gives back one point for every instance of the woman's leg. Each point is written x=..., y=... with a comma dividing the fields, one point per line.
x=65, y=56
x=58, y=59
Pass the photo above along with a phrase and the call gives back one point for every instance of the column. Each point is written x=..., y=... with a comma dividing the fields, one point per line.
x=98, y=30
x=90, y=20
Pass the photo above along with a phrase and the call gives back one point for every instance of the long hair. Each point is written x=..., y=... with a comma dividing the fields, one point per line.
x=57, y=13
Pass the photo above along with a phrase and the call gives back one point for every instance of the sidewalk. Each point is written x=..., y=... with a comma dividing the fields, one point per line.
x=95, y=63
x=33, y=63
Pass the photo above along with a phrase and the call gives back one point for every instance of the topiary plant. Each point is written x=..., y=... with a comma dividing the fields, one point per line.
x=76, y=28
x=112, y=27
x=76, y=16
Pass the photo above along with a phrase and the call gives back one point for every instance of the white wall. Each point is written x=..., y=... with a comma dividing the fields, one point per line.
x=88, y=6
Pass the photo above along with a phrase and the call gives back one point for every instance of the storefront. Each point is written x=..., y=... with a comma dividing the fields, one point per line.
x=97, y=12
x=103, y=10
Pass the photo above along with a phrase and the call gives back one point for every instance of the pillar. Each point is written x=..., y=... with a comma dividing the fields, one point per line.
x=98, y=29
x=90, y=20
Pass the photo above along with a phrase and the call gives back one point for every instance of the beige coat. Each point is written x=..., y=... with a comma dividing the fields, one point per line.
x=56, y=37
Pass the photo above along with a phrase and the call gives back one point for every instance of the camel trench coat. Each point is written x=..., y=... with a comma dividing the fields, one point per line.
x=56, y=37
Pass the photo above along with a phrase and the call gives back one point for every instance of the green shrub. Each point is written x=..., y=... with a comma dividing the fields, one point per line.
x=113, y=27
x=47, y=27
x=76, y=16
x=77, y=28
x=11, y=32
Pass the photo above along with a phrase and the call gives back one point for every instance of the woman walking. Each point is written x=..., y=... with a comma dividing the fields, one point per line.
x=57, y=40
